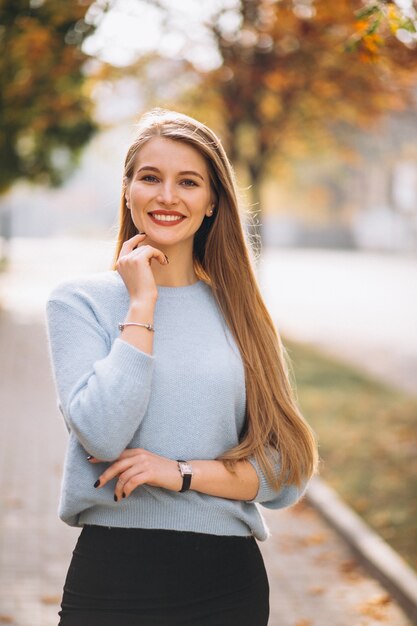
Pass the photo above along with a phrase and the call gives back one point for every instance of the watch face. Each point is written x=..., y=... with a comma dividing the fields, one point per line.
x=186, y=468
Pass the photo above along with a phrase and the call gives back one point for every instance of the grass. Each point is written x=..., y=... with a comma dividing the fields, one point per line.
x=367, y=435
x=4, y=263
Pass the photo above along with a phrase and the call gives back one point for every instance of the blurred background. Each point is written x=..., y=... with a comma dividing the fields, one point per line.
x=316, y=105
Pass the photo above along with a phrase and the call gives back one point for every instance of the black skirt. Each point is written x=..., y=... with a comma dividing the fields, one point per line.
x=141, y=577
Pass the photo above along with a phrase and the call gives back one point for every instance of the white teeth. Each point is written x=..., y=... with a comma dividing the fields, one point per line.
x=166, y=218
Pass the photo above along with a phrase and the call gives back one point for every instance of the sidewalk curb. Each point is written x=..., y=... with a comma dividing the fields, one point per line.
x=372, y=551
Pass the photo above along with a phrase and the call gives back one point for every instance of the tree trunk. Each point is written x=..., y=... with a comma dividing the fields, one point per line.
x=254, y=226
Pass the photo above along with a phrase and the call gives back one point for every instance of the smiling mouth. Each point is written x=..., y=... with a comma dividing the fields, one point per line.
x=167, y=218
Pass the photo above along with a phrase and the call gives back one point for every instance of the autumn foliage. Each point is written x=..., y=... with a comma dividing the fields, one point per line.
x=292, y=68
x=45, y=110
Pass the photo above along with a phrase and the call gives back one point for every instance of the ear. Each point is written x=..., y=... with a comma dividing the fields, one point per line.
x=125, y=187
x=210, y=210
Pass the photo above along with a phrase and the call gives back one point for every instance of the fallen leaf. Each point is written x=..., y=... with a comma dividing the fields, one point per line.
x=51, y=599
x=315, y=539
x=327, y=556
x=348, y=566
x=376, y=607
x=350, y=569
x=315, y=591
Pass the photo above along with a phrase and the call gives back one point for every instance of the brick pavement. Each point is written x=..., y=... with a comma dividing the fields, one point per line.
x=314, y=579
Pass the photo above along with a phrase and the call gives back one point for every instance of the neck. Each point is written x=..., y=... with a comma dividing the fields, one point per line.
x=180, y=270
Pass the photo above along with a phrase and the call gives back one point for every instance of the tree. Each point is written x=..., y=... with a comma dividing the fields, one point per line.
x=294, y=68
x=45, y=110
x=294, y=71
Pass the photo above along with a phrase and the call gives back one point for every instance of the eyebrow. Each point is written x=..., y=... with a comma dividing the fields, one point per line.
x=155, y=169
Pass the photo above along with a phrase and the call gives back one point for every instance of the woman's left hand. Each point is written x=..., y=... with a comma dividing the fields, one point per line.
x=136, y=467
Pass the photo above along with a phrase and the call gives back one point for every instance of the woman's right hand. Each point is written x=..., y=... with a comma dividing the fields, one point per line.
x=134, y=266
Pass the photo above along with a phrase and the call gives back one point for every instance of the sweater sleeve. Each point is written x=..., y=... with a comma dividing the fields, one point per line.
x=103, y=388
x=272, y=498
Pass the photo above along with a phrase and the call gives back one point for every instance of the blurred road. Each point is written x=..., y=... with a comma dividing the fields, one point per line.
x=360, y=307
x=314, y=579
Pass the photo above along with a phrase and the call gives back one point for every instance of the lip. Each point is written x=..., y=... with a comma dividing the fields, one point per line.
x=166, y=223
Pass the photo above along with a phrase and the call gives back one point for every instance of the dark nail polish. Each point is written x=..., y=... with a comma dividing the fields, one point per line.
x=123, y=495
x=96, y=484
x=90, y=456
x=115, y=498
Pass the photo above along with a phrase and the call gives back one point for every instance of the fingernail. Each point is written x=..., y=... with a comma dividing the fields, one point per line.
x=123, y=495
x=115, y=498
x=139, y=233
x=96, y=484
x=90, y=456
x=166, y=258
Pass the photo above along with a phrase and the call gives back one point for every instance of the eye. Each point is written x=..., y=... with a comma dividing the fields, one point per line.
x=149, y=178
x=188, y=182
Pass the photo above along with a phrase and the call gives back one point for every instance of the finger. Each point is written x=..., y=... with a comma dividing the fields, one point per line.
x=114, y=470
x=130, y=244
x=123, y=479
x=149, y=252
x=133, y=483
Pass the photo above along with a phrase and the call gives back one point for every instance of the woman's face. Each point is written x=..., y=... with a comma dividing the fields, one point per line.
x=169, y=194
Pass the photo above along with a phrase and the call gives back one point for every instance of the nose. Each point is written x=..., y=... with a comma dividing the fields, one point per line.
x=167, y=194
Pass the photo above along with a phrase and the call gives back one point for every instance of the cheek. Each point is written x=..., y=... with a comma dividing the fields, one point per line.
x=203, y=203
x=136, y=198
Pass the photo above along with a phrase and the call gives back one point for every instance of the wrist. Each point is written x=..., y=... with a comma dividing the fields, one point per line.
x=186, y=472
x=139, y=309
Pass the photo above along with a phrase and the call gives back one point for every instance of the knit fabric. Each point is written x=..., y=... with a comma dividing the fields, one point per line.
x=185, y=401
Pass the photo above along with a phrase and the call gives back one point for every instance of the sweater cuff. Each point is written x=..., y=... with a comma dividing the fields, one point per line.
x=271, y=498
x=132, y=361
x=265, y=491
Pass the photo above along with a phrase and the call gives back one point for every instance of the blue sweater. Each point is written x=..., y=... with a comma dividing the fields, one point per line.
x=186, y=400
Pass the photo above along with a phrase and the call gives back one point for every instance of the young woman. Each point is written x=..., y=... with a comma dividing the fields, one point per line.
x=172, y=382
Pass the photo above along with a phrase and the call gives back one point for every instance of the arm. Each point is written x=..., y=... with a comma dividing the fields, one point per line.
x=247, y=483
x=212, y=478
x=272, y=498
x=104, y=389
x=137, y=467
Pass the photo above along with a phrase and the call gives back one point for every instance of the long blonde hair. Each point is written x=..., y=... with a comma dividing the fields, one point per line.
x=273, y=422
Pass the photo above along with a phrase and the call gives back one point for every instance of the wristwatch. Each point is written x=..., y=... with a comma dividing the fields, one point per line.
x=186, y=472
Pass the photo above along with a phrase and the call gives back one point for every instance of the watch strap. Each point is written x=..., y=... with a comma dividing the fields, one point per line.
x=186, y=477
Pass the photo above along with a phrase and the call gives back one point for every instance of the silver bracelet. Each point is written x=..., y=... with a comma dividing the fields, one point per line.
x=147, y=326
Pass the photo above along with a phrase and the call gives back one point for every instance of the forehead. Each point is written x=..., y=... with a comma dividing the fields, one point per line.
x=167, y=153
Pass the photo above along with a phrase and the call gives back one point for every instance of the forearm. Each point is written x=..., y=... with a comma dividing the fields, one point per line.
x=214, y=479
x=136, y=467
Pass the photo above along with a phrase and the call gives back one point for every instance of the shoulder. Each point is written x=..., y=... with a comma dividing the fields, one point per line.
x=90, y=291
x=88, y=285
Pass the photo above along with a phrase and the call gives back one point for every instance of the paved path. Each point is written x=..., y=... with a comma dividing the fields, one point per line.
x=314, y=579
